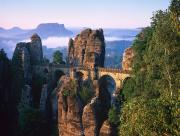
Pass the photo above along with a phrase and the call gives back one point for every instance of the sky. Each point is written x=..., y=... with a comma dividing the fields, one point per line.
x=79, y=13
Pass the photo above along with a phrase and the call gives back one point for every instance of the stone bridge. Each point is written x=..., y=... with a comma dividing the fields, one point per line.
x=117, y=75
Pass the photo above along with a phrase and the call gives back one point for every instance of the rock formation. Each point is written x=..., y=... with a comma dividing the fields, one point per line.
x=77, y=119
x=106, y=129
x=25, y=56
x=26, y=96
x=127, y=59
x=69, y=109
x=43, y=99
x=28, y=54
x=87, y=49
x=35, y=48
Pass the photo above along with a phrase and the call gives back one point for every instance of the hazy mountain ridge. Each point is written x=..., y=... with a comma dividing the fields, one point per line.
x=56, y=35
x=43, y=30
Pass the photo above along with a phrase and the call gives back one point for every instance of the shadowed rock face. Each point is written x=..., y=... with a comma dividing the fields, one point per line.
x=87, y=49
x=35, y=48
x=25, y=56
x=30, y=52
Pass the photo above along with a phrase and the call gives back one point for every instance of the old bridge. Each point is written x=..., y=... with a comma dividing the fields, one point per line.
x=117, y=75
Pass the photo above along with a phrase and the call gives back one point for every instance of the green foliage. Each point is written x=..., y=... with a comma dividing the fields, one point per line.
x=86, y=94
x=69, y=90
x=2, y=55
x=156, y=56
x=31, y=122
x=151, y=106
x=58, y=58
x=73, y=84
x=113, y=116
x=128, y=88
x=148, y=118
x=66, y=93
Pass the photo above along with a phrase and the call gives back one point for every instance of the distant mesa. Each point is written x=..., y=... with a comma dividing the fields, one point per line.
x=51, y=29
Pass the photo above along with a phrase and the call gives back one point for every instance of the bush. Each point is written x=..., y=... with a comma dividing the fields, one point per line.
x=148, y=118
x=31, y=122
x=113, y=116
x=86, y=94
x=128, y=88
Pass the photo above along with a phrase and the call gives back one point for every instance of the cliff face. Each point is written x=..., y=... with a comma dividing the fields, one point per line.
x=76, y=118
x=87, y=49
x=25, y=56
x=70, y=109
x=35, y=48
x=28, y=54
x=127, y=59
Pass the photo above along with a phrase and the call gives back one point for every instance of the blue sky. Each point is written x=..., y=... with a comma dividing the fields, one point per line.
x=82, y=13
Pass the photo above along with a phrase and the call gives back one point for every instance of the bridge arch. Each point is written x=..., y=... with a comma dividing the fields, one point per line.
x=107, y=86
x=107, y=81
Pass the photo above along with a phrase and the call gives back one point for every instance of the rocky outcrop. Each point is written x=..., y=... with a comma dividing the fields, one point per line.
x=26, y=96
x=95, y=113
x=127, y=59
x=43, y=99
x=87, y=49
x=89, y=122
x=69, y=109
x=35, y=49
x=28, y=54
x=106, y=129
x=77, y=119
x=25, y=56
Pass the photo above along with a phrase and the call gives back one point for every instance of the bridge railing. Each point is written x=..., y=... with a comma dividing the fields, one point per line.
x=102, y=69
x=86, y=68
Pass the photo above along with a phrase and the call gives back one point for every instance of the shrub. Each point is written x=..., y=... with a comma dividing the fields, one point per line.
x=31, y=122
x=148, y=118
x=113, y=116
x=86, y=94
